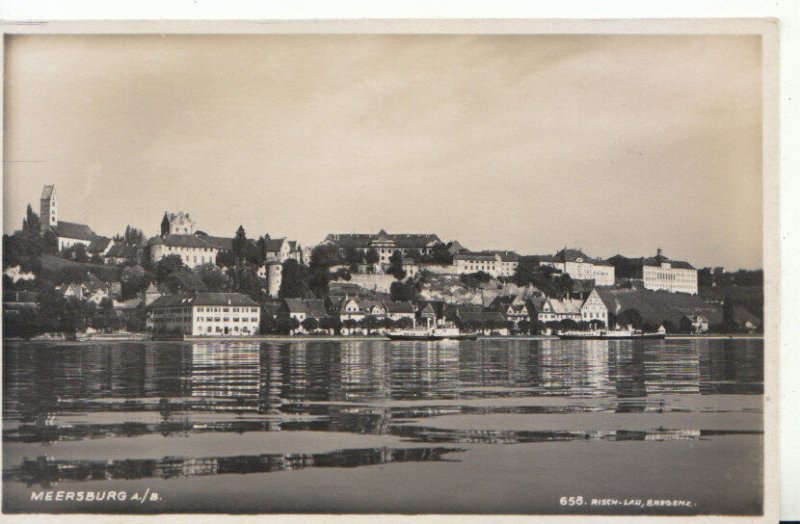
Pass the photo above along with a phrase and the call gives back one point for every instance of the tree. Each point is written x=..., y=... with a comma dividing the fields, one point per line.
x=372, y=256
x=31, y=222
x=105, y=318
x=524, y=326
x=349, y=324
x=133, y=280
x=403, y=291
x=310, y=324
x=396, y=265
x=440, y=254
x=168, y=265
x=214, y=279
x=226, y=259
x=630, y=317
x=23, y=323
x=370, y=323
x=323, y=257
x=239, y=243
x=245, y=280
x=293, y=280
x=354, y=256
x=184, y=281
x=133, y=236
x=405, y=323
x=165, y=225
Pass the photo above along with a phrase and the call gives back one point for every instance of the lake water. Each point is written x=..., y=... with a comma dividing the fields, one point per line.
x=490, y=426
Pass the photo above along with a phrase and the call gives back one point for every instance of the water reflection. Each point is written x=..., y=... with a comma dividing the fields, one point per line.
x=68, y=392
x=44, y=471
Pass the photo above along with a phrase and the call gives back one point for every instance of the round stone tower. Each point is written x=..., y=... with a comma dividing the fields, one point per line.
x=274, y=271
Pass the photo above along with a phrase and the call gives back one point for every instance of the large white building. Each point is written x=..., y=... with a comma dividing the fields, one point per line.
x=495, y=263
x=204, y=314
x=193, y=250
x=578, y=265
x=658, y=273
x=68, y=234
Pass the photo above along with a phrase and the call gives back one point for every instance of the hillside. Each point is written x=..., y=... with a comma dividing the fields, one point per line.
x=657, y=306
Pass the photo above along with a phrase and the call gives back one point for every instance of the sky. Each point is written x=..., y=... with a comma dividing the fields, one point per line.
x=611, y=144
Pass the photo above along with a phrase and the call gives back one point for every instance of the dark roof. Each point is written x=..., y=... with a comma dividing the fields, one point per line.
x=649, y=261
x=204, y=299
x=98, y=245
x=275, y=244
x=181, y=241
x=365, y=240
x=73, y=230
x=121, y=250
x=316, y=308
x=296, y=305
x=571, y=255
x=398, y=307
x=475, y=256
x=505, y=256
x=221, y=243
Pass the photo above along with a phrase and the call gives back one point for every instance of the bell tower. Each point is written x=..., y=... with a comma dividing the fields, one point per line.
x=48, y=208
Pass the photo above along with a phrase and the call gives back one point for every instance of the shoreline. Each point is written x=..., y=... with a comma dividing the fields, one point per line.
x=334, y=338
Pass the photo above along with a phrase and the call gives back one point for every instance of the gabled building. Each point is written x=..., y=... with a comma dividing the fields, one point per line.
x=99, y=247
x=513, y=308
x=204, y=314
x=558, y=309
x=398, y=311
x=383, y=243
x=194, y=250
x=578, y=265
x=594, y=309
x=281, y=250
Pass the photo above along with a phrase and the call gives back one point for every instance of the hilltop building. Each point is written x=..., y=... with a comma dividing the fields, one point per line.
x=578, y=265
x=384, y=243
x=495, y=263
x=658, y=272
x=67, y=233
x=281, y=250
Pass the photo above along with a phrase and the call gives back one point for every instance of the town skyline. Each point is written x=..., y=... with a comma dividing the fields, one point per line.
x=537, y=150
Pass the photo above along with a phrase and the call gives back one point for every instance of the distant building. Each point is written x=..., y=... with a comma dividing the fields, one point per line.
x=204, y=314
x=179, y=223
x=578, y=265
x=281, y=250
x=384, y=243
x=558, y=309
x=513, y=308
x=694, y=323
x=68, y=234
x=495, y=263
x=658, y=273
x=194, y=250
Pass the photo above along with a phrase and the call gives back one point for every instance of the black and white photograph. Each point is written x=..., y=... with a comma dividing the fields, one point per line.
x=428, y=270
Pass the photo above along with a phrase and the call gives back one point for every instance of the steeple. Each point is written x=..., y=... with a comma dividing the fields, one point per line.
x=48, y=208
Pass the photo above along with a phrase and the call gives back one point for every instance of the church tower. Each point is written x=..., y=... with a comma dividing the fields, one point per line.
x=48, y=208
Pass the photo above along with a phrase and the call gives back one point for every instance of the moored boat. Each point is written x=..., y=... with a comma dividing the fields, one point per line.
x=429, y=334
x=118, y=336
x=621, y=334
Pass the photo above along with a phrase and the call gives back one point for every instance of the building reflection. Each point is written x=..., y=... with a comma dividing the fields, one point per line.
x=46, y=472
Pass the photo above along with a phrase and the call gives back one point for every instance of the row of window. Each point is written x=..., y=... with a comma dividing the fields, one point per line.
x=227, y=319
x=209, y=309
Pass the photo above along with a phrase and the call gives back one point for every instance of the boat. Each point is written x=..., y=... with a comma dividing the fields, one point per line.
x=114, y=337
x=427, y=334
x=618, y=334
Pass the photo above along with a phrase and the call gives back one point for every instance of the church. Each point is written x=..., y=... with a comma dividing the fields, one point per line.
x=67, y=233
